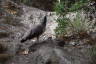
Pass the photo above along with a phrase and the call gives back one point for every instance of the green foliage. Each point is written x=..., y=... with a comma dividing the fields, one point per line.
x=61, y=29
x=79, y=5
x=69, y=6
x=59, y=8
x=79, y=23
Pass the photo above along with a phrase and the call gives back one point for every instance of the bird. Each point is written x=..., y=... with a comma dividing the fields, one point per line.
x=35, y=32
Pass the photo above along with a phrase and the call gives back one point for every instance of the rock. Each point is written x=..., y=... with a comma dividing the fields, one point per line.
x=47, y=52
x=33, y=16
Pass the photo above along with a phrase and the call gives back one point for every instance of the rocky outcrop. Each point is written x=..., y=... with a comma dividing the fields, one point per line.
x=49, y=52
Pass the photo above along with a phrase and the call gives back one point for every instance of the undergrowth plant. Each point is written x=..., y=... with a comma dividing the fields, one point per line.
x=63, y=24
x=65, y=6
x=79, y=24
x=75, y=26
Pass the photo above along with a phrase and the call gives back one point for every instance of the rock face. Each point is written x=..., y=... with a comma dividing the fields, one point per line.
x=48, y=52
x=32, y=17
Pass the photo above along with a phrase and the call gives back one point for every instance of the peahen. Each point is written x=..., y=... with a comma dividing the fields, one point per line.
x=35, y=32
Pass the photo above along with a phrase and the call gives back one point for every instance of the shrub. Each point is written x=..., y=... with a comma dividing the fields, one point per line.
x=66, y=6
x=63, y=24
x=79, y=24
